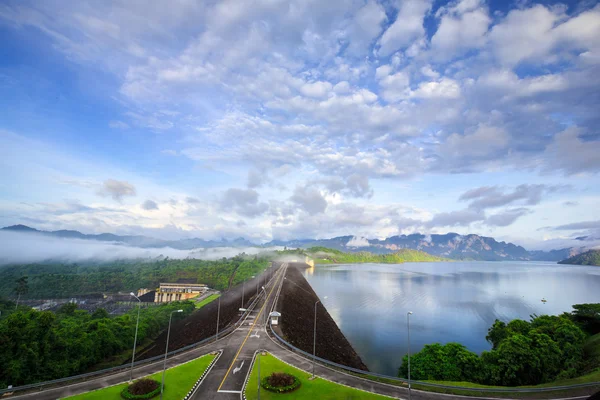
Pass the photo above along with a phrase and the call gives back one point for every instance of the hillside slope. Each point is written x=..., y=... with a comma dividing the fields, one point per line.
x=324, y=254
x=591, y=257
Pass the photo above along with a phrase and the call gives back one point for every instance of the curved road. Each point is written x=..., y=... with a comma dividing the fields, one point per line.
x=227, y=376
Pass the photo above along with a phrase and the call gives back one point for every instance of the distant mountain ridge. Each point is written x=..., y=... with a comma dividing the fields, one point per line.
x=449, y=245
x=136, y=240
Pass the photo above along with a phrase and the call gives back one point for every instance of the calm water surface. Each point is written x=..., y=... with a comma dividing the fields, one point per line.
x=451, y=302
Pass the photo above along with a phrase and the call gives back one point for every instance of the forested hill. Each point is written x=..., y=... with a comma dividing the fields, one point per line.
x=60, y=280
x=327, y=255
x=591, y=257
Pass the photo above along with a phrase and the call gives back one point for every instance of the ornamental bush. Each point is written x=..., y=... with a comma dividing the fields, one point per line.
x=280, y=382
x=142, y=389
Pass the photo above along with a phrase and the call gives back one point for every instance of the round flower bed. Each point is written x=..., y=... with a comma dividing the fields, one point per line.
x=280, y=382
x=142, y=389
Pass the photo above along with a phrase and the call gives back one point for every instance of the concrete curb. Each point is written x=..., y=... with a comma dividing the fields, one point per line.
x=191, y=393
x=243, y=393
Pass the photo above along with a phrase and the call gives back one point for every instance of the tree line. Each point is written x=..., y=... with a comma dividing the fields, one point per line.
x=541, y=350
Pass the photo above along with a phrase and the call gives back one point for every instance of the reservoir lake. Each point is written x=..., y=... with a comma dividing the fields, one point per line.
x=450, y=301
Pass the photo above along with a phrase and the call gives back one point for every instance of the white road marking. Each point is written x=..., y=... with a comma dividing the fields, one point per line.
x=238, y=369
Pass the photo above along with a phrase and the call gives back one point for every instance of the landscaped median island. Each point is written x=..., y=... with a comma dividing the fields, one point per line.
x=200, y=304
x=178, y=382
x=309, y=389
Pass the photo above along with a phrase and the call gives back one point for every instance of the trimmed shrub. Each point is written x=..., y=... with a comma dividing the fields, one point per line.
x=280, y=382
x=141, y=390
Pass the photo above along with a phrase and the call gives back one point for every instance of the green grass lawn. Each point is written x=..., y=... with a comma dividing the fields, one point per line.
x=322, y=261
x=200, y=304
x=316, y=389
x=178, y=381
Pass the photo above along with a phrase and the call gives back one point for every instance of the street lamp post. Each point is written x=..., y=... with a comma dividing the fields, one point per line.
x=315, y=339
x=218, y=316
x=263, y=288
x=408, y=330
x=135, y=338
x=162, y=385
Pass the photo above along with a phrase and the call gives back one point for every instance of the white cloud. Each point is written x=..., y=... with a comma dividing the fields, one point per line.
x=406, y=28
x=445, y=88
x=358, y=242
x=572, y=155
x=365, y=27
x=532, y=34
x=483, y=142
x=395, y=87
x=461, y=29
x=383, y=71
x=316, y=89
x=116, y=189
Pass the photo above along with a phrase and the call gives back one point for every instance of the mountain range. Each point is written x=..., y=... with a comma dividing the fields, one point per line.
x=449, y=245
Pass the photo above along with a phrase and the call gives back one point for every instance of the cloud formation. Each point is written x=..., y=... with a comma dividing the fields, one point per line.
x=305, y=117
x=116, y=189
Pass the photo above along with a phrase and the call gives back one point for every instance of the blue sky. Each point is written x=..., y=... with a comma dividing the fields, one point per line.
x=287, y=119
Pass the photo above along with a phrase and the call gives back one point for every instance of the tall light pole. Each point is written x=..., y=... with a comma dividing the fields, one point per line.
x=315, y=339
x=218, y=315
x=263, y=289
x=162, y=385
x=135, y=339
x=408, y=330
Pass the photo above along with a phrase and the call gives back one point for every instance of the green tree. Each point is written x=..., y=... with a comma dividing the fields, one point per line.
x=587, y=316
x=449, y=362
x=496, y=334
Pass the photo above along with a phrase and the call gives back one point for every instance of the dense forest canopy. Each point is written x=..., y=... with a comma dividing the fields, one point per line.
x=42, y=345
x=544, y=349
x=64, y=280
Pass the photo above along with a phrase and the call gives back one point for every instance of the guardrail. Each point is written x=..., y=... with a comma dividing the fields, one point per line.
x=120, y=368
x=414, y=382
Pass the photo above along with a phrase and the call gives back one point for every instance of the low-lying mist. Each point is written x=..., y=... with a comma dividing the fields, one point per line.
x=19, y=248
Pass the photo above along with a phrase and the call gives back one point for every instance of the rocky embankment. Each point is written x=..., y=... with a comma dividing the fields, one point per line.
x=297, y=306
x=203, y=323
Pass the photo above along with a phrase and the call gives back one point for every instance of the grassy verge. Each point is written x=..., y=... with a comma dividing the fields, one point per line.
x=178, y=381
x=200, y=304
x=315, y=389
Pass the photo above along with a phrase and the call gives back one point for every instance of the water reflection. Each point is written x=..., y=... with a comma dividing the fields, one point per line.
x=452, y=302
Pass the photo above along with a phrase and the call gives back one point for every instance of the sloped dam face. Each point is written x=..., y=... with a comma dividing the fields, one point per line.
x=451, y=302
